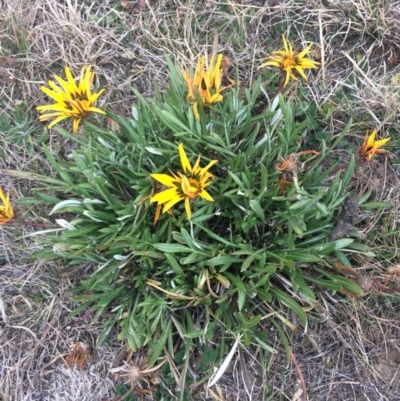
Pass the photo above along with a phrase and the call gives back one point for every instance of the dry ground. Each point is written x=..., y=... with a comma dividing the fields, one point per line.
x=351, y=350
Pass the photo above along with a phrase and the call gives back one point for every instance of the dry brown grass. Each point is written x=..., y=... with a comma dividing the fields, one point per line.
x=351, y=351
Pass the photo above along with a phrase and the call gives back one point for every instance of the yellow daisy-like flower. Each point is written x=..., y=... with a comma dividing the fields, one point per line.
x=206, y=81
x=184, y=186
x=370, y=147
x=72, y=100
x=6, y=210
x=289, y=61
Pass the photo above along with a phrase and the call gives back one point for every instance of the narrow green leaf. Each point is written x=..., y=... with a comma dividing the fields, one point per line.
x=350, y=285
x=303, y=257
x=248, y=261
x=258, y=210
x=324, y=283
x=241, y=299
x=342, y=243
x=291, y=304
x=265, y=345
x=236, y=281
x=284, y=339
x=376, y=205
x=69, y=205
x=194, y=334
x=159, y=345
x=216, y=236
x=174, y=265
x=222, y=260
x=237, y=180
x=341, y=136
x=172, y=248
x=348, y=173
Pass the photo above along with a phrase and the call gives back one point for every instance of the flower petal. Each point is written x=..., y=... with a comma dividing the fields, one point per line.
x=56, y=121
x=271, y=63
x=371, y=138
x=172, y=202
x=205, y=195
x=301, y=72
x=166, y=196
x=71, y=81
x=381, y=142
x=304, y=52
x=75, y=124
x=165, y=179
x=184, y=160
x=2, y=197
x=203, y=170
x=187, y=208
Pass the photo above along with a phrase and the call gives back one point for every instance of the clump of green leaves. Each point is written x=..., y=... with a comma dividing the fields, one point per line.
x=259, y=247
x=20, y=128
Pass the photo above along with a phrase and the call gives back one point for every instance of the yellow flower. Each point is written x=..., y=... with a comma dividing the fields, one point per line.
x=186, y=186
x=289, y=61
x=370, y=147
x=206, y=81
x=72, y=100
x=6, y=210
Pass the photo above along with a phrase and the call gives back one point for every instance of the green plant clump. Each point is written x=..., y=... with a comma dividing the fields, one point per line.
x=260, y=247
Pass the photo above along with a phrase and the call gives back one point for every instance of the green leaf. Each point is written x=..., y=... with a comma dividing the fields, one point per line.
x=324, y=283
x=236, y=281
x=68, y=205
x=258, y=210
x=376, y=205
x=241, y=299
x=303, y=257
x=159, y=345
x=291, y=304
x=216, y=236
x=237, y=180
x=341, y=136
x=265, y=345
x=222, y=260
x=348, y=173
x=343, y=243
x=349, y=284
x=172, y=248
x=305, y=204
x=34, y=177
x=248, y=261
x=65, y=177
x=304, y=288
x=174, y=265
x=284, y=339
x=194, y=334
x=171, y=121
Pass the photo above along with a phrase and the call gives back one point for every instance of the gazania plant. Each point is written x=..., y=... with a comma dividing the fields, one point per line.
x=184, y=225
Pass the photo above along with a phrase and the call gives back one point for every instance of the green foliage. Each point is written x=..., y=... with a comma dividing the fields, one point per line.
x=20, y=129
x=256, y=248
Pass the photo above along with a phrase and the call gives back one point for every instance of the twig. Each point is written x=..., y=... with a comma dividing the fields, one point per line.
x=321, y=39
x=303, y=385
x=29, y=331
